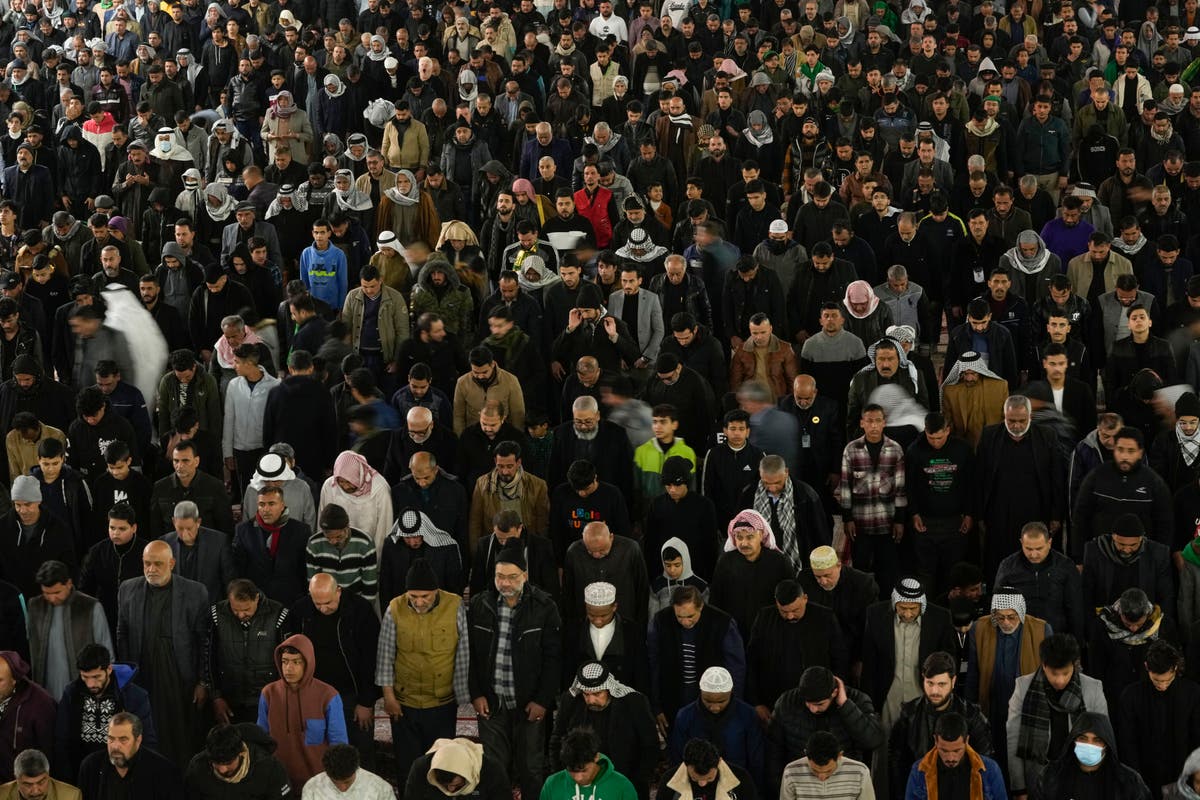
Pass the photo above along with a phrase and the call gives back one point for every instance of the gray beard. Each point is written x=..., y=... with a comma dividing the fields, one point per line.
x=589, y=435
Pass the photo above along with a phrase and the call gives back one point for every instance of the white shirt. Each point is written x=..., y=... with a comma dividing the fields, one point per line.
x=602, y=637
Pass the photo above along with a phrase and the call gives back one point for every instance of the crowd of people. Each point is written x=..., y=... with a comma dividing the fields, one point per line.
x=705, y=400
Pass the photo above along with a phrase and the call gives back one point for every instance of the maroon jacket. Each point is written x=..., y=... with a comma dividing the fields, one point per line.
x=27, y=720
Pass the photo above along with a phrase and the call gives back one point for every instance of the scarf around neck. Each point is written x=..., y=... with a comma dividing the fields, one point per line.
x=1033, y=741
x=511, y=490
x=1110, y=551
x=1117, y=631
x=1189, y=446
x=399, y=198
x=787, y=538
x=273, y=530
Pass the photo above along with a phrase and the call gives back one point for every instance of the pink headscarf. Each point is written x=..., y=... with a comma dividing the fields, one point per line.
x=750, y=519
x=524, y=185
x=354, y=468
x=860, y=292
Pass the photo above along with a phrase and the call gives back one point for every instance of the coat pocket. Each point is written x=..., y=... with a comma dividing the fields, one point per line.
x=314, y=732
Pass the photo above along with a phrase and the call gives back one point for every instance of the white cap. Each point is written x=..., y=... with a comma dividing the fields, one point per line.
x=778, y=226
x=717, y=680
x=599, y=594
x=390, y=63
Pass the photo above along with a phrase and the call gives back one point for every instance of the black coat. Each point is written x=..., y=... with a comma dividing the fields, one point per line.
x=610, y=453
x=150, y=776
x=1002, y=354
x=442, y=443
x=265, y=778
x=625, y=655
x=694, y=520
x=539, y=556
x=282, y=576
x=1103, y=580
x=19, y=563
x=627, y=732
x=912, y=735
x=292, y=408
x=1117, y=782
x=812, y=526
x=779, y=651
x=1158, y=730
x=879, y=645
x=493, y=781
x=358, y=638
x=569, y=512
x=448, y=505
x=536, y=647
x=855, y=592
x=1051, y=472
x=1118, y=665
x=1052, y=590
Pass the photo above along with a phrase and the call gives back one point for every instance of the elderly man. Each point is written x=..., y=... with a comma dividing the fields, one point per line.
x=425, y=430
x=1019, y=478
x=791, y=507
x=972, y=397
x=619, y=715
x=847, y=591
x=32, y=781
x=900, y=634
x=163, y=622
x=424, y=681
x=129, y=762
x=415, y=537
x=601, y=555
x=201, y=554
x=889, y=365
x=748, y=571
x=587, y=437
x=1001, y=648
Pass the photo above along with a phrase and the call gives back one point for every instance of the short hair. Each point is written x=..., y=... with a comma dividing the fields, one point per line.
x=665, y=410
x=507, y=448
x=935, y=422
x=1035, y=529
x=481, y=356
x=1134, y=603
x=580, y=474
x=772, y=464
x=117, y=452
x=300, y=361
x=701, y=754
x=579, y=748
x=939, y=663
x=788, y=591
x=340, y=761
x=51, y=448
x=735, y=415
x=92, y=657
x=822, y=747
x=52, y=573
x=1059, y=651
x=1163, y=657
x=30, y=764
x=223, y=744
x=127, y=718
x=507, y=519
x=242, y=589
x=186, y=444
x=950, y=727
x=1130, y=432
x=123, y=511
x=186, y=509
x=684, y=595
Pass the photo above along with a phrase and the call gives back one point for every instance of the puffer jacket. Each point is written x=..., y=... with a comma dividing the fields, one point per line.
x=453, y=303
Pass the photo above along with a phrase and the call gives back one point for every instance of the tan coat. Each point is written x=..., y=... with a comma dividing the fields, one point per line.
x=781, y=366
x=57, y=791
x=469, y=400
x=535, y=507
x=969, y=409
x=412, y=153
x=1079, y=270
x=393, y=320
x=298, y=124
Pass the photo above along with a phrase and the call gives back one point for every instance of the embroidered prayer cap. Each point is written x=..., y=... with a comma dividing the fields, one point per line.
x=716, y=680
x=823, y=557
x=599, y=593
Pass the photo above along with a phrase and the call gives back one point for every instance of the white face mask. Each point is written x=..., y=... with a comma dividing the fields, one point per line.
x=164, y=145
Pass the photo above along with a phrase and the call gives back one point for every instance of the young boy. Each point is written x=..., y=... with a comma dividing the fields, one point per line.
x=541, y=442
x=65, y=494
x=648, y=459
x=676, y=572
x=323, y=267
x=121, y=483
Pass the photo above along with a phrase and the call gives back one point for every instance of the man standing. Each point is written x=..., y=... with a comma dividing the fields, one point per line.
x=162, y=625
x=100, y=690
x=913, y=733
x=1019, y=478
x=938, y=471
x=601, y=555
x=343, y=631
x=1044, y=705
x=954, y=762
x=62, y=622
x=425, y=680
x=302, y=714
x=245, y=404
x=270, y=548
x=201, y=554
x=516, y=651
x=873, y=497
x=378, y=320
x=26, y=712
x=187, y=482
x=246, y=627
x=1047, y=579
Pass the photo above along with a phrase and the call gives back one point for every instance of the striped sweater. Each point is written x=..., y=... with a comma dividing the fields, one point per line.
x=354, y=566
x=850, y=781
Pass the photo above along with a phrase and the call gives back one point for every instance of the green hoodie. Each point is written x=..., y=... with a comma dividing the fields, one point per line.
x=609, y=785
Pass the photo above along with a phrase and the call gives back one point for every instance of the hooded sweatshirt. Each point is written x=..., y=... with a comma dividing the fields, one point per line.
x=305, y=719
x=662, y=587
x=607, y=785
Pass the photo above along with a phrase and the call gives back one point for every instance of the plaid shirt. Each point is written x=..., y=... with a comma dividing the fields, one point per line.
x=506, y=682
x=385, y=655
x=872, y=496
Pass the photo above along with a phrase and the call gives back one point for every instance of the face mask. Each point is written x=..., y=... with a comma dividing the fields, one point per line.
x=164, y=145
x=777, y=246
x=1089, y=754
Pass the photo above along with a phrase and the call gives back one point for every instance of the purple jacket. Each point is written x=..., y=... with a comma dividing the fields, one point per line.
x=28, y=720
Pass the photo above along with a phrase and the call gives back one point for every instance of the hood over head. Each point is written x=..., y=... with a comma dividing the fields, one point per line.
x=461, y=757
x=678, y=544
x=1098, y=724
x=302, y=643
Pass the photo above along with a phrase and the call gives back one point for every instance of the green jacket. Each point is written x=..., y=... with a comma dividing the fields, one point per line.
x=205, y=397
x=608, y=785
x=648, y=461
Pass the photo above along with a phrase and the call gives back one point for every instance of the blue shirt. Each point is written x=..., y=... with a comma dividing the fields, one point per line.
x=325, y=273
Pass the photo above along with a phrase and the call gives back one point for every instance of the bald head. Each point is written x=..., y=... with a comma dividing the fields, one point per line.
x=804, y=391
x=597, y=539
x=325, y=593
x=419, y=417
x=157, y=563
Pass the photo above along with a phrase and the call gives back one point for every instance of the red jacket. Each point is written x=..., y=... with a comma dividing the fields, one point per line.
x=595, y=210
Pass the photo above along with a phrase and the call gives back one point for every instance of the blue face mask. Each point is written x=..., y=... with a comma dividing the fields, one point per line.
x=1089, y=754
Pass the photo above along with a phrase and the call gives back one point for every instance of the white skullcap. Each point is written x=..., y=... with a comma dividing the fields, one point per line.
x=778, y=226
x=717, y=680
x=824, y=557
x=600, y=594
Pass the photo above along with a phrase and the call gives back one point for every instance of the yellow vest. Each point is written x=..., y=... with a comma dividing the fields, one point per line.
x=425, y=648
